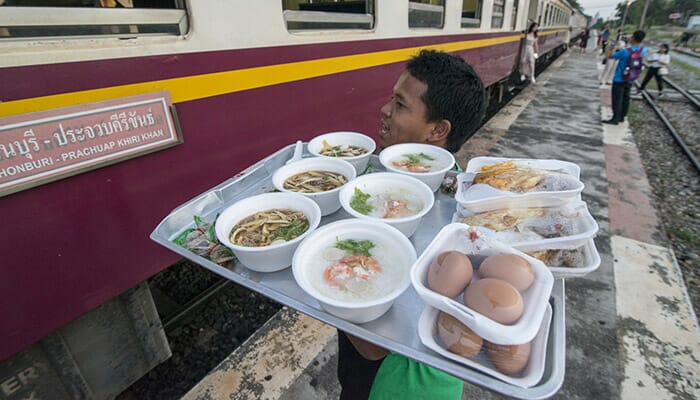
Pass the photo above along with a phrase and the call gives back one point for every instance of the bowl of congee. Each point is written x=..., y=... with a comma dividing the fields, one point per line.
x=319, y=179
x=394, y=199
x=352, y=147
x=354, y=268
x=424, y=162
x=263, y=231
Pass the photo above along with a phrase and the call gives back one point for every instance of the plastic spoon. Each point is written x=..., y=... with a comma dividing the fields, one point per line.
x=297, y=152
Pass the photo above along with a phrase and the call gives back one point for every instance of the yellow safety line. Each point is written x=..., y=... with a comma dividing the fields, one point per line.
x=196, y=87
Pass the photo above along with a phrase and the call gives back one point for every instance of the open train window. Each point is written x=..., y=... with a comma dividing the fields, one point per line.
x=471, y=13
x=61, y=19
x=328, y=14
x=426, y=14
x=497, y=15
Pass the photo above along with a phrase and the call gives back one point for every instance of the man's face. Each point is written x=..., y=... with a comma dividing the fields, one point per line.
x=403, y=117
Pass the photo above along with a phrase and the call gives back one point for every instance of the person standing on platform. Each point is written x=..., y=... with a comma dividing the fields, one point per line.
x=583, y=43
x=438, y=100
x=604, y=36
x=628, y=68
x=529, y=55
x=658, y=67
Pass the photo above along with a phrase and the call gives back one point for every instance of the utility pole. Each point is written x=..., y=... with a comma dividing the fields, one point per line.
x=624, y=16
x=644, y=15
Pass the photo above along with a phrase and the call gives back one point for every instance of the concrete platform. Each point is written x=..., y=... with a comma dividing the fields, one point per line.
x=630, y=329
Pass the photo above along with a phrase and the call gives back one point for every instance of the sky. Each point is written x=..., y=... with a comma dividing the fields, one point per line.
x=604, y=7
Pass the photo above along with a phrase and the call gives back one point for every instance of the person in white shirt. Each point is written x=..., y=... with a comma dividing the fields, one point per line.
x=658, y=67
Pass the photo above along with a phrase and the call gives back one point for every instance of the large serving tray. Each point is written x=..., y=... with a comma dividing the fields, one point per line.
x=397, y=330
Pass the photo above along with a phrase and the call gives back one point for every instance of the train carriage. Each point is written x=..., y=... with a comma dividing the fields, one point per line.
x=245, y=77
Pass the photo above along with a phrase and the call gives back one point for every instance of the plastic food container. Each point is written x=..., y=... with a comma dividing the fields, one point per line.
x=385, y=183
x=345, y=138
x=306, y=263
x=483, y=197
x=582, y=259
x=434, y=161
x=274, y=257
x=478, y=245
x=530, y=376
x=571, y=225
x=328, y=201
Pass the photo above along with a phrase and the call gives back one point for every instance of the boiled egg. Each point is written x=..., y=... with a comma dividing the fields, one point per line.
x=508, y=267
x=457, y=337
x=495, y=299
x=450, y=273
x=509, y=359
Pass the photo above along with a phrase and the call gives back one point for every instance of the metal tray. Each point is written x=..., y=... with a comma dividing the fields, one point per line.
x=397, y=330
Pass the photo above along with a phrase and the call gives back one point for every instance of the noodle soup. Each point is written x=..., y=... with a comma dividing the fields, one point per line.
x=314, y=181
x=269, y=227
x=341, y=150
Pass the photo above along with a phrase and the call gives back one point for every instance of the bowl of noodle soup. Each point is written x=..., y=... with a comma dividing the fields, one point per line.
x=319, y=179
x=354, y=268
x=352, y=147
x=263, y=231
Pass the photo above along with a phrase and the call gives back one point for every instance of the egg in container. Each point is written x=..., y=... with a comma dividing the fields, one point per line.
x=511, y=364
x=491, y=306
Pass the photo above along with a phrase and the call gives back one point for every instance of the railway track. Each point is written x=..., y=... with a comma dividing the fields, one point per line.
x=681, y=137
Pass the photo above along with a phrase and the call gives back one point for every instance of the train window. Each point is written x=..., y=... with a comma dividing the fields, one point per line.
x=471, y=13
x=328, y=14
x=426, y=13
x=61, y=19
x=546, y=15
x=497, y=15
x=514, y=22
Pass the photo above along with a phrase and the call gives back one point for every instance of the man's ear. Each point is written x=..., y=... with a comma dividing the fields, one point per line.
x=440, y=131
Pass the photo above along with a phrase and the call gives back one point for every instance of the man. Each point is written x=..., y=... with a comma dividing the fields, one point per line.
x=438, y=100
x=621, y=87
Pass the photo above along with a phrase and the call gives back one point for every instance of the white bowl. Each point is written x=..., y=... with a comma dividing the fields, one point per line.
x=274, y=257
x=386, y=182
x=389, y=241
x=478, y=245
x=443, y=161
x=345, y=138
x=328, y=201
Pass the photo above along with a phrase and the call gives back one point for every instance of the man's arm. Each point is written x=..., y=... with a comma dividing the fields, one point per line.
x=366, y=349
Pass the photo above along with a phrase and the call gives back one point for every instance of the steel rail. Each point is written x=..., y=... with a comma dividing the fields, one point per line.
x=174, y=320
x=682, y=91
x=688, y=152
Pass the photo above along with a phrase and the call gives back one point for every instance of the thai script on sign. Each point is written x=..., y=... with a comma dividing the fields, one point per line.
x=44, y=146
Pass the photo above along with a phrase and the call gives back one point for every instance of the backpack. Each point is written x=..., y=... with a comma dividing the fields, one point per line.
x=634, y=65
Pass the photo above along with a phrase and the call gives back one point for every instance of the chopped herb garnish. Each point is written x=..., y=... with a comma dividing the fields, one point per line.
x=358, y=202
x=291, y=231
x=355, y=247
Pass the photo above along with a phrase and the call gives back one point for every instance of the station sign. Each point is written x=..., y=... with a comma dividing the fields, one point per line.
x=45, y=146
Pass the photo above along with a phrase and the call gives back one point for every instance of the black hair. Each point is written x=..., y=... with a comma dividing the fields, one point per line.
x=455, y=93
x=665, y=46
x=530, y=29
x=639, y=36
